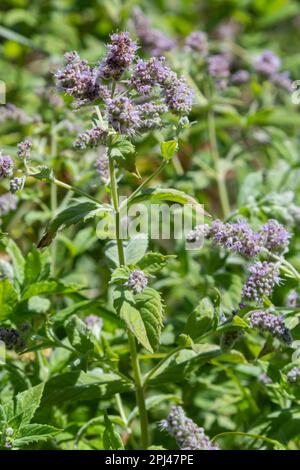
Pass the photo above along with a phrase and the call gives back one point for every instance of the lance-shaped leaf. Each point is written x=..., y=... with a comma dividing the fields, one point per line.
x=70, y=216
x=111, y=439
x=8, y=298
x=33, y=433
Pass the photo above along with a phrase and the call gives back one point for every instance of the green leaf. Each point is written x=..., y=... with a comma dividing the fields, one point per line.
x=37, y=266
x=161, y=194
x=79, y=334
x=42, y=173
x=39, y=304
x=134, y=250
x=201, y=319
x=154, y=262
x=48, y=288
x=24, y=405
x=70, y=216
x=81, y=386
x=111, y=439
x=8, y=298
x=17, y=259
x=142, y=313
x=34, y=433
x=168, y=149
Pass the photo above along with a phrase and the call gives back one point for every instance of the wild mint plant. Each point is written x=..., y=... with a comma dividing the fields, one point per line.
x=129, y=338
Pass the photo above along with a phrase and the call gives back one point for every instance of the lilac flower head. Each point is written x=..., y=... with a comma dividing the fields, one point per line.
x=78, y=79
x=293, y=376
x=8, y=202
x=153, y=40
x=282, y=80
x=265, y=379
x=120, y=55
x=24, y=149
x=240, y=77
x=178, y=95
x=17, y=184
x=137, y=281
x=10, y=112
x=94, y=324
x=123, y=115
x=292, y=299
x=237, y=237
x=148, y=74
x=267, y=63
x=264, y=276
x=218, y=66
x=102, y=166
x=150, y=115
x=187, y=434
x=198, y=233
x=273, y=324
x=274, y=236
x=91, y=138
x=197, y=41
x=6, y=166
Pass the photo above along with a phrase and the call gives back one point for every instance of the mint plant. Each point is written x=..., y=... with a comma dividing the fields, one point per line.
x=135, y=341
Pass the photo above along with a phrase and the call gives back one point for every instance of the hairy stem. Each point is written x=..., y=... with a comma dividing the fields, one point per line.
x=140, y=396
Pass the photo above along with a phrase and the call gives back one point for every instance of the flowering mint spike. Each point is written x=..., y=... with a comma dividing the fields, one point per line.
x=178, y=95
x=153, y=40
x=79, y=80
x=24, y=149
x=282, y=80
x=197, y=41
x=137, y=281
x=6, y=166
x=188, y=435
x=17, y=184
x=274, y=236
x=91, y=138
x=237, y=237
x=121, y=53
x=264, y=276
x=240, y=77
x=148, y=74
x=102, y=166
x=292, y=299
x=293, y=376
x=123, y=115
x=270, y=323
x=218, y=66
x=267, y=63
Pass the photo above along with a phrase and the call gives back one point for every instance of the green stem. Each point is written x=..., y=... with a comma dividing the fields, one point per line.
x=224, y=200
x=69, y=187
x=147, y=180
x=53, y=198
x=161, y=363
x=177, y=165
x=140, y=396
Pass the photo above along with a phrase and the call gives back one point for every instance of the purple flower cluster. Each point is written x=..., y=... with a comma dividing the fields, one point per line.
x=293, y=376
x=273, y=324
x=123, y=115
x=178, y=95
x=282, y=80
x=264, y=276
x=197, y=41
x=150, y=115
x=267, y=63
x=17, y=184
x=78, y=80
x=292, y=299
x=219, y=66
x=237, y=237
x=24, y=149
x=274, y=236
x=240, y=77
x=102, y=166
x=8, y=202
x=91, y=138
x=137, y=281
x=6, y=166
x=265, y=379
x=187, y=434
x=10, y=112
x=153, y=40
x=198, y=233
x=148, y=74
x=120, y=55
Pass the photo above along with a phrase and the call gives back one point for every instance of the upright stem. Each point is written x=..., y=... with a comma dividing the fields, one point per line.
x=139, y=388
x=224, y=200
x=53, y=198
